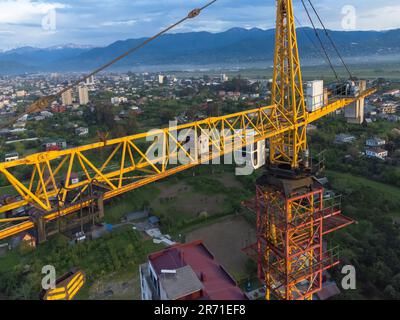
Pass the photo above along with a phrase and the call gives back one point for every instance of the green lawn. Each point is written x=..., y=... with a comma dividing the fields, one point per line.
x=356, y=181
x=368, y=193
x=372, y=244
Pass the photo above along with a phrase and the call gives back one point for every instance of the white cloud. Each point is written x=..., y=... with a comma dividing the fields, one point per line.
x=25, y=11
x=119, y=23
x=384, y=17
x=128, y=22
x=101, y=22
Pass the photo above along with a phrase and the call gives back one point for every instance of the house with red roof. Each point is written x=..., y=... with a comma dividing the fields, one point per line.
x=187, y=272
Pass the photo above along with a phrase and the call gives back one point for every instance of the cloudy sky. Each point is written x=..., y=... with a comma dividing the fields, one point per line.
x=46, y=23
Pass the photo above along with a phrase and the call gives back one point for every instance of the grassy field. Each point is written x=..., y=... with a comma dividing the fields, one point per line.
x=372, y=244
x=349, y=183
x=393, y=192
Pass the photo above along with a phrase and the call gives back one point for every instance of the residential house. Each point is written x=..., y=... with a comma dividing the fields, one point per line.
x=344, y=138
x=375, y=142
x=329, y=290
x=29, y=240
x=11, y=157
x=187, y=272
x=82, y=131
x=55, y=145
x=118, y=100
x=388, y=108
x=58, y=108
x=312, y=127
x=377, y=153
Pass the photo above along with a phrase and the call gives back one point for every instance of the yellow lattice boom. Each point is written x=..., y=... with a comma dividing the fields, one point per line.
x=121, y=165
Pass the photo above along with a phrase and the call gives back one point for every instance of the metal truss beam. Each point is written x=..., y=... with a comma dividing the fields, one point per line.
x=127, y=166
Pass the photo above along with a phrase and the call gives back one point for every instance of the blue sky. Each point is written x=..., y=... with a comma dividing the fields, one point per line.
x=101, y=22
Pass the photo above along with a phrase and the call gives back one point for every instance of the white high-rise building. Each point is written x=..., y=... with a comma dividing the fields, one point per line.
x=90, y=80
x=66, y=98
x=83, y=95
x=161, y=79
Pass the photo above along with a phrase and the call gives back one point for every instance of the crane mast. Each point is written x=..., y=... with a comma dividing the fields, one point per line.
x=287, y=90
x=292, y=214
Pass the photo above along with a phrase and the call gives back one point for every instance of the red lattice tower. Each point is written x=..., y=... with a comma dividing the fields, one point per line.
x=291, y=226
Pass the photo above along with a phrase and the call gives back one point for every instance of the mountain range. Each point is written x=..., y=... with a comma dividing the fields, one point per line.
x=235, y=47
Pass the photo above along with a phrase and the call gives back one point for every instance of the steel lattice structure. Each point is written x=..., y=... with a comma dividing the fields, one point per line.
x=290, y=251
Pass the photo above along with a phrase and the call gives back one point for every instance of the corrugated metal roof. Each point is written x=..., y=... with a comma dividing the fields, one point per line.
x=181, y=284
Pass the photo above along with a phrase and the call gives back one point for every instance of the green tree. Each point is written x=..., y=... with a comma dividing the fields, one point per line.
x=391, y=292
x=20, y=148
x=129, y=251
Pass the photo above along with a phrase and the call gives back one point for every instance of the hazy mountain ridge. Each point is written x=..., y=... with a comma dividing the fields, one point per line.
x=237, y=46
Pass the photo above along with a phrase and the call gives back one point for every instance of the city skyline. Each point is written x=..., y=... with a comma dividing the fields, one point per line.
x=46, y=23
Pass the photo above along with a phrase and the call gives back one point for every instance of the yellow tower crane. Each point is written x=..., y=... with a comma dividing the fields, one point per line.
x=283, y=122
x=292, y=217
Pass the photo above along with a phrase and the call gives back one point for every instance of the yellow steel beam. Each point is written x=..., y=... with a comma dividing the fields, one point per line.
x=6, y=220
x=337, y=105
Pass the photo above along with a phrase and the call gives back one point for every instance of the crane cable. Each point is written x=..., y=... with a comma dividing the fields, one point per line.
x=43, y=102
x=331, y=41
x=311, y=40
x=321, y=43
x=315, y=46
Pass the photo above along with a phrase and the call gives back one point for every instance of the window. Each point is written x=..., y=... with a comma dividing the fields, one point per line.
x=244, y=152
x=255, y=155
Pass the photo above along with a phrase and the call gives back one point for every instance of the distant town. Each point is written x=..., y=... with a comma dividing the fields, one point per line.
x=128, y=102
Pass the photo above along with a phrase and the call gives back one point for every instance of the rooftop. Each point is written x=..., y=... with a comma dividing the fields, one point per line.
x=180, y=284
x=216, y=281
x=376, y=150
x=376, y=139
